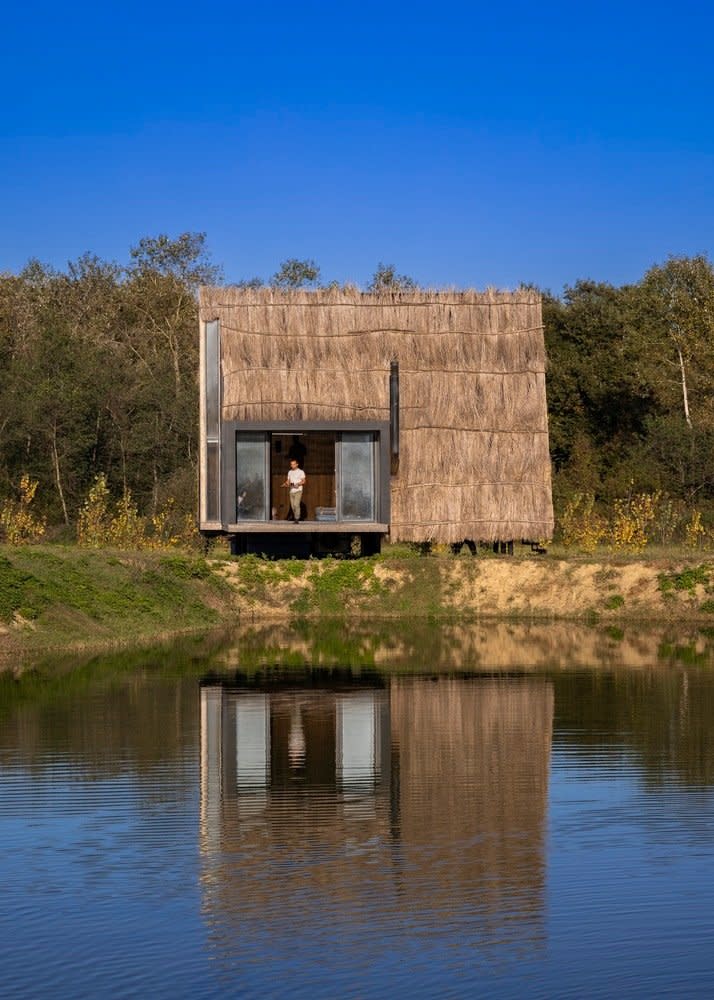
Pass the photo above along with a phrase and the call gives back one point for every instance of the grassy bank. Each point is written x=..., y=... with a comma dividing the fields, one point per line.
x=440, y=587
x=63, y=596
x=58, y=597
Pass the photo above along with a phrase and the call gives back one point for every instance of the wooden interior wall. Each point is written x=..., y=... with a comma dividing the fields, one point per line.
x=315, y=452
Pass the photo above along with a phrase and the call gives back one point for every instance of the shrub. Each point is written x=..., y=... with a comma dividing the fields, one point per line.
x=102, y=523
x=127, y=529
x=18, y=522
x=580, y=524
x=94, y=519
x=694, y=531
x=669, y=515
x=632, y=521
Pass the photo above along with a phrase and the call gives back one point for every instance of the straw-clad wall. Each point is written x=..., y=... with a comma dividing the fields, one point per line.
x=474, y=460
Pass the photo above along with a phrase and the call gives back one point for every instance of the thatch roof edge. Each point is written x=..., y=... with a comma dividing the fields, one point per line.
x=222, y=296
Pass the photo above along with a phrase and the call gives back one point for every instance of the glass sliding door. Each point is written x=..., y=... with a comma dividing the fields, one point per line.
x=356, y=476
x=252, y=465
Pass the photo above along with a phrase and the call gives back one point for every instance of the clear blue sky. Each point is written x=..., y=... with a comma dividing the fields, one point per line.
x=467, y=143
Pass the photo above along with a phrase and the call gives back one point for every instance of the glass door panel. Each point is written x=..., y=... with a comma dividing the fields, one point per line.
x=251, y=477
x=356, y=492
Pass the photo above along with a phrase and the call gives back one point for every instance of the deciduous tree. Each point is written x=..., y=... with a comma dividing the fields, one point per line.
x=386, y=279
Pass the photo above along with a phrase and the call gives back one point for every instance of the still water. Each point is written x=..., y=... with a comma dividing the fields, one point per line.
x=501, y=811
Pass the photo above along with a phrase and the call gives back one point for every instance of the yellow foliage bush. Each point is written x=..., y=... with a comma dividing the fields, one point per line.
x=632, y=520
x=120, y=525
x=127, y=529
x=694, y=531
x=18, y=523
x=580, y=524
x=162, y=534
x=669, y=516
x=190, y=535
x=94, y=518
x=632, y=523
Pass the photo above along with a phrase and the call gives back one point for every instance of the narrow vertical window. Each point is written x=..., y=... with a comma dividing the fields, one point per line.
x=252, y=742
x=212, y=489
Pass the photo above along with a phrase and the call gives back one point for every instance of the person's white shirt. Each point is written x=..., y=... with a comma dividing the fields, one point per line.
x=296, y=477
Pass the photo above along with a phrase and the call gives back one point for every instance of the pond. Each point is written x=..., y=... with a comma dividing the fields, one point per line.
x=499, y=810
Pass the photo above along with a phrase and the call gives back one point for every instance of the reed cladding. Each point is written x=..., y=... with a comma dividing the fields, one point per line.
x=474, y=458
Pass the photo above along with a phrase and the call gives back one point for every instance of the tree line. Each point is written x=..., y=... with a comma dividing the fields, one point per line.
x=99, y=376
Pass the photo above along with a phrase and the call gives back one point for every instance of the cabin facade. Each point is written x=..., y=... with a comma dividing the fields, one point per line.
x=418, y=415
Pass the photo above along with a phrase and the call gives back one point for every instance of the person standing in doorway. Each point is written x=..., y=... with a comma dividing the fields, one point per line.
x=295, y=480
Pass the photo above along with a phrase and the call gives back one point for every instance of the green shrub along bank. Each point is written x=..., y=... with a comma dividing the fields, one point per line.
x=393, y=584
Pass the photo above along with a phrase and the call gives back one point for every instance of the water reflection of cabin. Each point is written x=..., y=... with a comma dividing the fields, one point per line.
x=418, y=415
x=255, y=741
x=423, y=796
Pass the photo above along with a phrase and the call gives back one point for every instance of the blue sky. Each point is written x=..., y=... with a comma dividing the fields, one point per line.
x=467, y=143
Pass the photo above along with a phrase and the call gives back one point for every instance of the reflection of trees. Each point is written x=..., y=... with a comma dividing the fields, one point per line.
x=632, y=690
x=138, y=724
x=665, y=716
x=356, y=502
x=131, y=711
x=415, y=645
x=138, y=702
x=251, y=498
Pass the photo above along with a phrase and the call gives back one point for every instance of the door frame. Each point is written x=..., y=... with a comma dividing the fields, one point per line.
x=228, y=457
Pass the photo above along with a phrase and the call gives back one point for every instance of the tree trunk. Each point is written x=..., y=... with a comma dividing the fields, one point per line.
x=122, y=450
x=58, y=477
x=685, y=396
x=95, y=449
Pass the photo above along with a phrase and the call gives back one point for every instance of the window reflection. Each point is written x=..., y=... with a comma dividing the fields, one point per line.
x=293, y=739
x=357, y=482
x=251, y=477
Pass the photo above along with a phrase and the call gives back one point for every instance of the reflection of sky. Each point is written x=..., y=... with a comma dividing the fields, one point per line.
x=640, y=864
x=98, y=885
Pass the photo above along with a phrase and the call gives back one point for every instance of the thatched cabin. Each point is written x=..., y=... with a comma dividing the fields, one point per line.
x=421, y=415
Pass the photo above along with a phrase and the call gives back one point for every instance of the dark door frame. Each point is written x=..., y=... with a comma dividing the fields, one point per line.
x=228, y=456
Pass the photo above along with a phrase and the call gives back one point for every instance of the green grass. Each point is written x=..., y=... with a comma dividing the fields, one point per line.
x=614, y=602
x=335, y=585
x=395, y=583
x=688, y=579
x=55, y=595
x=68, y=594
x=686, y=653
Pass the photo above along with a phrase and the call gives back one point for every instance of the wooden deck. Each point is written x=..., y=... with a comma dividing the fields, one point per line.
x=308, y=527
